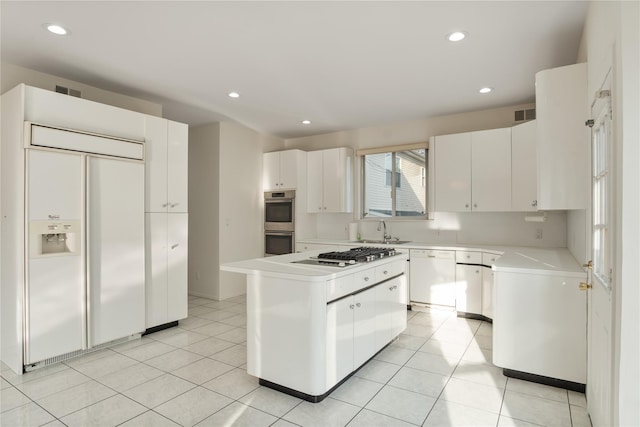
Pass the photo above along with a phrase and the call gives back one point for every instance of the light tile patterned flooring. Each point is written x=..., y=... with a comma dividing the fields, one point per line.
x=438, y=373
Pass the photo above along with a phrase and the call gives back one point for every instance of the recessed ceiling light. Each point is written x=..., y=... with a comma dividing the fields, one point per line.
x=234, y=95
x=485, y=90
x=57, y=29
x=456, y=36
x=306, y=122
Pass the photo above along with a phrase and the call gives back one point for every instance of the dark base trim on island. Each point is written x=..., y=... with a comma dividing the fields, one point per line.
x=160, y=327
x=299, y=394
x=553, y=382
x=474, y=316
x=319, y=398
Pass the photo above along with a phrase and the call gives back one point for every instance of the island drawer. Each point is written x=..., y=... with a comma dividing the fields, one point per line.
x=337, y=288
x=389, y=270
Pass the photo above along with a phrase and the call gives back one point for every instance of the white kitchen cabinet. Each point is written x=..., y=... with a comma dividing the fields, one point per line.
x=524, y=167
x=351, y=322
x=166, y=165
x=491, y=170
x=563, y=140
x=432, y=277
x=540, y=323
x=166, y=268
x=330, y=181
x=473, y=171
x=283, y=169
x=488, y=260
x=391, y=310
x=469, y=282
x=453, y=173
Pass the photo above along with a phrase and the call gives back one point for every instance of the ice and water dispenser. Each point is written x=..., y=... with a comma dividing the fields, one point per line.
x=54, y=238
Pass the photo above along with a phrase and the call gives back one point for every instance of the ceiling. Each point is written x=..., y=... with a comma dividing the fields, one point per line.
x=342, y=65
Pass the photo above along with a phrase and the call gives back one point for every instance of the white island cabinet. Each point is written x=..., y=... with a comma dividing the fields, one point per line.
x=310, y=327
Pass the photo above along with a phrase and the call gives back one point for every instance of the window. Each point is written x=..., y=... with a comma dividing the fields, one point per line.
x=601, y=191
x=389, y=170
x=394, y=183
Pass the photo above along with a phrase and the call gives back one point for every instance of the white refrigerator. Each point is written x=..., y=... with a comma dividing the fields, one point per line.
x=85, y=267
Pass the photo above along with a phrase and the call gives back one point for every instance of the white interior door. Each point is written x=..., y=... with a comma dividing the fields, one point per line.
x=600, y=301
x=115, y=241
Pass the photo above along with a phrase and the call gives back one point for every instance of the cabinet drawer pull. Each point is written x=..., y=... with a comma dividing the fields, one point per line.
x=351, y=306
x=366, y=279
x=385, y=272
x=175, y=245
x=358, y=304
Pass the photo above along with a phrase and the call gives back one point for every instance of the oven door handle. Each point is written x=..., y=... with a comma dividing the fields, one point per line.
x=278, y=233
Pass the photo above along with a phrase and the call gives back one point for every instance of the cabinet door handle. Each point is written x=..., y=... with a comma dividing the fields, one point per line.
x=164, y=205
x=351, y=306
x=477, y=271
x=467, y=205
x=534, y=203
x=385, y=272
x=358, y=304
x=319, y=208
x=393, y=287
x=173, y=205
x=175, y=245
x=475, y=205
x=366, y=279
x=281, y=185
x=325, y=208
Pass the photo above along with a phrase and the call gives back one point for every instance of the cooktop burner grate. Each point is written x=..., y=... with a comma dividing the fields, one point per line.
x=361, y=254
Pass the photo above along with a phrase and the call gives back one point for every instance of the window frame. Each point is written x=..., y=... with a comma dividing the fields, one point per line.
x=393, y=150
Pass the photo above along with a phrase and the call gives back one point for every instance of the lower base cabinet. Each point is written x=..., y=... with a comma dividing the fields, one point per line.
x=360, y=325
x=469, y=288
x=166, y=268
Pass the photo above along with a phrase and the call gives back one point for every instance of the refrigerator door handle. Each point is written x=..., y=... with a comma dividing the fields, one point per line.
x=86, y=339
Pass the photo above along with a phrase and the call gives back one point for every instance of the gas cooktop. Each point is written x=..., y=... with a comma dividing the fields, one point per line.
x=350, y=257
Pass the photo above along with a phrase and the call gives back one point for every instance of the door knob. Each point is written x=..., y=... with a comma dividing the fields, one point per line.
x=584, y=286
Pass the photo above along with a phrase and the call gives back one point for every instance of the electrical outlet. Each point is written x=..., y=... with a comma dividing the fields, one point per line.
x=538, y=233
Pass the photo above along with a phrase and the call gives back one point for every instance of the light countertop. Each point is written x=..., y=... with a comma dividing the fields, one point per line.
x=543, y=261
x=512, y=258
x=284, y=266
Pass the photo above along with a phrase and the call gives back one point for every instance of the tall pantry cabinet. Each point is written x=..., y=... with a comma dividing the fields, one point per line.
x=166, y=221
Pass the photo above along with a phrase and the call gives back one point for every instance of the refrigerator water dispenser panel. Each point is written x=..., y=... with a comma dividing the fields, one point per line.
x=54, y=238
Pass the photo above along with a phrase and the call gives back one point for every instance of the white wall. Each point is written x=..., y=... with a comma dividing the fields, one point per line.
x=612, y=35
x=12, y=75
x=241, y=201
x=204, y=182
x=225, y=205
x=487, y=228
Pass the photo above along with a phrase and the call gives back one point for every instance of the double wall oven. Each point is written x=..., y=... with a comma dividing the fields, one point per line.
x=279, y=222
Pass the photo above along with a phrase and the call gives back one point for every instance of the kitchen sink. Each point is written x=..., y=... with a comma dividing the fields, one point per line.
x=382, y=242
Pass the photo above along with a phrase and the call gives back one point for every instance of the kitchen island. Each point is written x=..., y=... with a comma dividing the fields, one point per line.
x=309, y=327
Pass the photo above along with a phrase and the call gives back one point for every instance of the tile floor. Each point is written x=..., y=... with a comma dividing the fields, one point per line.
x=438, y=373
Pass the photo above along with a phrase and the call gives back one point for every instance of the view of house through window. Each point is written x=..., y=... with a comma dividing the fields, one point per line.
x=394, y=184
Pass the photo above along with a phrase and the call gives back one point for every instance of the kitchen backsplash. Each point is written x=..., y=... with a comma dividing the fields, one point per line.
x=477, y=228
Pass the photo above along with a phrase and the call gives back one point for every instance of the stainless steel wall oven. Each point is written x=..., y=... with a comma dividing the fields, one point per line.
x=279, y=222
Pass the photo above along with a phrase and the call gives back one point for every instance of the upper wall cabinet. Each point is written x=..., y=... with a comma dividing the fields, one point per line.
x=563, y=139
x=473, y=171
x=281, y=169
x=524, y=171
x=167, y=154
x=329, y=180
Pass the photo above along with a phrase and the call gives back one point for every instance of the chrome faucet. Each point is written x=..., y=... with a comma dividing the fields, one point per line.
x=386, y=237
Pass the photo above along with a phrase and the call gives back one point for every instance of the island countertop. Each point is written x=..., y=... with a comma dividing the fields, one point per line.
x=285, y=266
